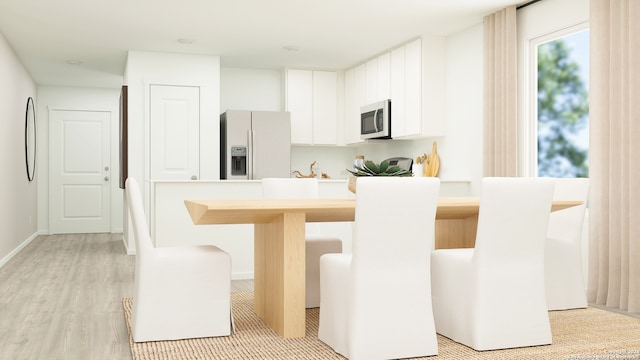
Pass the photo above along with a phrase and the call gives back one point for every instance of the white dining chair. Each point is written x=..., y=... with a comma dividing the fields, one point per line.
x=493, y=296
x=316, y=244
x=565, y=287
x=179, y=292
x=375, y=303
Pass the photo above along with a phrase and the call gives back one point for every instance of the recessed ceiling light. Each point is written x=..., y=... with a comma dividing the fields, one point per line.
x=291, y=48
x=186, y=41
x=74, y=62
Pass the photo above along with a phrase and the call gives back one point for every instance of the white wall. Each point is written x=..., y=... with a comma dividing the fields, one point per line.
x=464, y=107
x=18, y=207
x=250, y=89
x=75, y=98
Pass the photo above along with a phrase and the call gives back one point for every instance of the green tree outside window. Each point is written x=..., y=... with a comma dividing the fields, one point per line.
x=563, y=113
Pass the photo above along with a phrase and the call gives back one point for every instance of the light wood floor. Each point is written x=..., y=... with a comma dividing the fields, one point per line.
x=61, y=298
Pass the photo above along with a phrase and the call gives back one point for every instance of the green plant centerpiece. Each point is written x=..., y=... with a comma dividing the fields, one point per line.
x=369, y=168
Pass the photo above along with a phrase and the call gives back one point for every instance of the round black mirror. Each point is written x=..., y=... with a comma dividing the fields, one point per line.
x=30, y=139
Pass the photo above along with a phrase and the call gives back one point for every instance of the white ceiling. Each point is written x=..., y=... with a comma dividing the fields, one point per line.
x=329, y=34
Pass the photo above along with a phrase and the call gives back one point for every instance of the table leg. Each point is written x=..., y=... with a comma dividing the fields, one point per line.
x=456, y=233
x=279, y=284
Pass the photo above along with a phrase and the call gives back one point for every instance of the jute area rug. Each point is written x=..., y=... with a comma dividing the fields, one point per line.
x=577, y=335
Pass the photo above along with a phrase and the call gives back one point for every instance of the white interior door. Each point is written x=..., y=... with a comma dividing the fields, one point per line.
x=175, y=132
x=79, y=174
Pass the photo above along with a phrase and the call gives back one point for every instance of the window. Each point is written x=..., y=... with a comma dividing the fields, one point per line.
x=540, y=25
x=563, y=106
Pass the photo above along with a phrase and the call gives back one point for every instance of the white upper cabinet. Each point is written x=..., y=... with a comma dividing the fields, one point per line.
x=371, y=73
x=384, y=77
x=397, y=89
x=312, y=99
x=413, y=77
x=377, y=73
x=395, y=75
x=351, y=108
x=355, y=96
x=411, y=118
x=325, y=108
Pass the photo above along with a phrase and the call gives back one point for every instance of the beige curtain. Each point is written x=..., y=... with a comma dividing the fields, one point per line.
x=614, y=169
x=500, y=111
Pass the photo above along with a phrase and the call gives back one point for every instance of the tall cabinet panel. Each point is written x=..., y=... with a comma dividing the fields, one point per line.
x=355, y=89
x=300, y=105
x=351, y=109
x=325, y=108
x=413, y=87
x=397, y=90
x=384, y=76
x=371, y=74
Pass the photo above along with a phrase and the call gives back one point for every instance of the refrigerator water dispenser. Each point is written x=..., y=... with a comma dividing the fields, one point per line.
x=238, y=160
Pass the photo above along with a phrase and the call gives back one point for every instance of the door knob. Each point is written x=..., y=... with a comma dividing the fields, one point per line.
x=193, y=177
x=106, y=178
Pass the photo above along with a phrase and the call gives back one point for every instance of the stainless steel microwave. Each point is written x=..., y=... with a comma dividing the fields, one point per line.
x=375, y=120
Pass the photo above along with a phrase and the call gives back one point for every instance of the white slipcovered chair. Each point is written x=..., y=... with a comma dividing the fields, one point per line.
x=376, y=302
x=563, y=253
x=316, y=244
x=493, y=296
x=179, y=292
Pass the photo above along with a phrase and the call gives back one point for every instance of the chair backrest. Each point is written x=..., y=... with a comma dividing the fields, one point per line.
x=513, y=220
x=389, y=285
x=138, y=218
x=394, y=230
x=567, y=224
x=292, y=188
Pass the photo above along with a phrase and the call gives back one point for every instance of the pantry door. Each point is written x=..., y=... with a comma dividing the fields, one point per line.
x=79, y=172
x=175, y=132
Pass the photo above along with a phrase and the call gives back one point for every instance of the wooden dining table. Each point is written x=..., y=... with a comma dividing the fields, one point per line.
x=279, y=243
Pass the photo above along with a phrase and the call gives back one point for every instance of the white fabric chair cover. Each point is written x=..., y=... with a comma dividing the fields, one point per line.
x=493, y=296
x=316, y=244
x=376, y=302
x=563, y=253
x=179, y=292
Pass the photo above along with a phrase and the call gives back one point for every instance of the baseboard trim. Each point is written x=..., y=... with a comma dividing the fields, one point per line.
x=15, y=251
x=242, y=276
x=126, y=246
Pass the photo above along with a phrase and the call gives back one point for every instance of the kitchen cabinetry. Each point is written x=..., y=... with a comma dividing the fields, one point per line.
x=395, y=75
x=312, y=99
x=384, y=77
x=353, y=96
x=377, y=74
x=406, y=90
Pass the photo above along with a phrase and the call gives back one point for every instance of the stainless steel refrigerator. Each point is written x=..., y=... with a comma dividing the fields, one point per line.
x=255, y=144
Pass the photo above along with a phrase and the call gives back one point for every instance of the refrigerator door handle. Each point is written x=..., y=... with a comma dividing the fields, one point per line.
x=250, y=167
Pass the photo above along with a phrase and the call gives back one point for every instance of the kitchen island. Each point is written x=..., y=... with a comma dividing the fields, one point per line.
x=170, y=224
